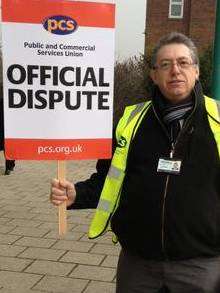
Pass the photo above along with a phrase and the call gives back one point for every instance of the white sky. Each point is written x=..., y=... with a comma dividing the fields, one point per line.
x=130, y=26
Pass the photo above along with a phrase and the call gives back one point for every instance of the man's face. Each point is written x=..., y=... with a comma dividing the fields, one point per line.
x=174, y=73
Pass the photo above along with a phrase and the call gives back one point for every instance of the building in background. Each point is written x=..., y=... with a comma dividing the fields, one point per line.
x=195, y=18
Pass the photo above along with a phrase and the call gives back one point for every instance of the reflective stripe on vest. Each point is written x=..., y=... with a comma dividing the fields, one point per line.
x=113, y=182
x=126, y=130
x=213, y=110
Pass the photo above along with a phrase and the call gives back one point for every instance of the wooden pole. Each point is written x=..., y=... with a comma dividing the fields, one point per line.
x=61, y=174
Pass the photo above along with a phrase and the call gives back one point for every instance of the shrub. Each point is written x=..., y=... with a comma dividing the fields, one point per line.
x=206, y=61
x=131, y=78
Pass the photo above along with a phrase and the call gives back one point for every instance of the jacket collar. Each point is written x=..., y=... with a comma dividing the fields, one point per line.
x=160, y=102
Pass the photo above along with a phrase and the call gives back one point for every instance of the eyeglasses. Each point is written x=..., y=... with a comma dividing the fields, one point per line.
x=168, y=64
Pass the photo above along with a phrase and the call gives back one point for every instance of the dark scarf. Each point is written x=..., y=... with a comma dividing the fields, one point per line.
x=173, y=115
x=176, y=112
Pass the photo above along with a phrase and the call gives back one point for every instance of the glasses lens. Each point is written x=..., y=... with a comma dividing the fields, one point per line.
x=181, y=63
x=184, y=63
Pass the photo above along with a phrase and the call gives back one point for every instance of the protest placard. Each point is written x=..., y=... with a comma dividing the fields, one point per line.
x=58, y=61
x=58, y=64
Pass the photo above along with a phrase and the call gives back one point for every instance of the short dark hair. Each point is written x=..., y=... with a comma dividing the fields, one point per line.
x=175, y=38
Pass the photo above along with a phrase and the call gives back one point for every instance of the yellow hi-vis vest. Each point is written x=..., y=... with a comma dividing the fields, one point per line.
x=125, y=132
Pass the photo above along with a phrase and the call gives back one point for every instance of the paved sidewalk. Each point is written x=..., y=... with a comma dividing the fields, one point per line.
x=32, y=256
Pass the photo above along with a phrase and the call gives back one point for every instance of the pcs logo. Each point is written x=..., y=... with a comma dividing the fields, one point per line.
x=60, y=25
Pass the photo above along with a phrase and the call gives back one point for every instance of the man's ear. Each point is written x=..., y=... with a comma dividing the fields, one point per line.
x=153, y=76
x=197, y=72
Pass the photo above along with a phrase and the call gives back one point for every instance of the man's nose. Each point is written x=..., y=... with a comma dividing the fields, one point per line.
x=175, y=68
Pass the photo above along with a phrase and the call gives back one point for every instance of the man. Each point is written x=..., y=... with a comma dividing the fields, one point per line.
x=161, y=196
x=9, y=164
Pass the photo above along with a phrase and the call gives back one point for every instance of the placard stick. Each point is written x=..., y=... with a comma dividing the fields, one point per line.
x=61, y=174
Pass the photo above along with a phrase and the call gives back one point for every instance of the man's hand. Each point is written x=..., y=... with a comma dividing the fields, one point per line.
x=62, y=191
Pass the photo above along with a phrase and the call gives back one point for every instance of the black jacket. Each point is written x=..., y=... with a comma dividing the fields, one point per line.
x=1, y=123
x=177, y=221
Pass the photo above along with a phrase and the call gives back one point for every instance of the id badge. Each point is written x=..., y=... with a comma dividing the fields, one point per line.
x=170, y=166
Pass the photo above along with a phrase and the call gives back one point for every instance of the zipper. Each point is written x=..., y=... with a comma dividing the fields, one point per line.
x=163, y=217
x=172, y=151
x=163, y=208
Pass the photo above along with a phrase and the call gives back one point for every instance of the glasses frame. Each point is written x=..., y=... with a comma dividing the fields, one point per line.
x=177, y=62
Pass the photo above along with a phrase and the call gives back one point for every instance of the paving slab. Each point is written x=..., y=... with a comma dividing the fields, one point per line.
x=83, y=258
x=3, y=290
x=11, y=250
x=94, y=273
x=110, y=261
x=100, y=287
x=61, y=285
x=42, y=253
x=6, y=228
x=8, y=239
x=34, y=242
x=71, y=245
x=53, y=268
x=27, y=231
x=18, y=281
x=106, y=249
x=68, y=236
x=13, y=264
